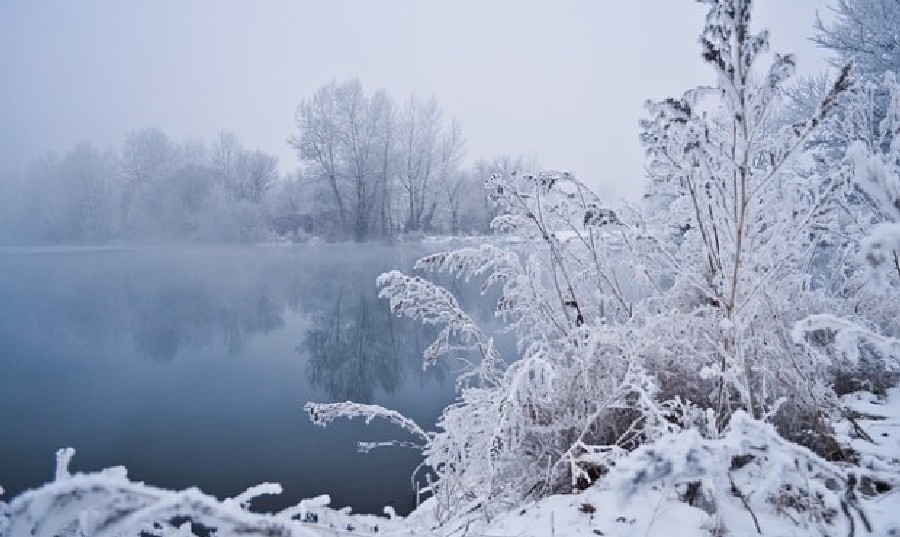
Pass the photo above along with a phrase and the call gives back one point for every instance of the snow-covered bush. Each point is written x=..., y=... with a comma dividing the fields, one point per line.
x=747, y=481
x=732, y=478
x=862, y=328
x=539, y=422
x=739, y=225
x=877, y=174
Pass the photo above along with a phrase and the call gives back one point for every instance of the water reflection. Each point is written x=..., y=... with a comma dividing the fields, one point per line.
x=196, y=352
x=162, y=301
x=356, y=346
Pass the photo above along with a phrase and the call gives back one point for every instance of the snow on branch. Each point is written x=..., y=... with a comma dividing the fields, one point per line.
x=498, y=264
x=324, y=413
x=522, y=304
x=243, y=500
x=848, y=336
x=63, y=458
x=108, y=504
x=429, y=303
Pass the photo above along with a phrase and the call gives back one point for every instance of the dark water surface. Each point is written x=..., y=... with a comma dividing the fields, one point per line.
x=191, y=367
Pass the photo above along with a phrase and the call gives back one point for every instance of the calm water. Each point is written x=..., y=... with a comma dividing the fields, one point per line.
x=191, y=367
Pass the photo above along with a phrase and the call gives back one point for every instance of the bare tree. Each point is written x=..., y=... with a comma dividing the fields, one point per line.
x=383, y=103
x=452, y=178
x=346, y=138
x=365, y=122
x=317, y=140
x=258, y=172
x=419, y=130
x=145, y=155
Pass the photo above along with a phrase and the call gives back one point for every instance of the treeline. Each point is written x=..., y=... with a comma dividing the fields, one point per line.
x=152, y=189
x=370, y=170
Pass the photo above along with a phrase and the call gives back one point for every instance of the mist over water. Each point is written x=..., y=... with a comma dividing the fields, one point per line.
x=191, y=368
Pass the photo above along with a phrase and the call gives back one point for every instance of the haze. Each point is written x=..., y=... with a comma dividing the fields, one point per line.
x=561, y=81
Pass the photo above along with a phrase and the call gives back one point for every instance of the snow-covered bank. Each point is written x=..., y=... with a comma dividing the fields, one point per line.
x=748, y=482
x=107, y=503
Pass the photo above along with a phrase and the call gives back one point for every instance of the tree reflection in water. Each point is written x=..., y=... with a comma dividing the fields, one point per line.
x=356, y=347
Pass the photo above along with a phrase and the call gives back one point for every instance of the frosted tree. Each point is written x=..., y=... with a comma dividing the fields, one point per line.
x=863, y=32
x=146, y=155
x=860, y=141
x=243, y=174
x=741, y=220
x=876, y=159
x=418, y=144
x=75, y=198
x=318, y=140
x=344, y=137
x=451, y=177
x=868, y=133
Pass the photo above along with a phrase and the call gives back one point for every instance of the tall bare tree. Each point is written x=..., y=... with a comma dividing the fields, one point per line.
x=345, y=137
x=419, y=131
x=452, y=178
x=317, y=141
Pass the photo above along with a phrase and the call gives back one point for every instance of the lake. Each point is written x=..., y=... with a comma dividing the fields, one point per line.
x=191, y=366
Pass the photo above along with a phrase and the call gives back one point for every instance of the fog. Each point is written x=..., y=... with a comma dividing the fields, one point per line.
x=562, y=82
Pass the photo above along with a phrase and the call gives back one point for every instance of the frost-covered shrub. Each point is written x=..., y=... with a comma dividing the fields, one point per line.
x=576, y=393
x=861, y=328
x=877, y=174
x=737, y=205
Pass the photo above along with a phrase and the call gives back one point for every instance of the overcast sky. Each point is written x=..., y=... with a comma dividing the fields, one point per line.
x=564, y=80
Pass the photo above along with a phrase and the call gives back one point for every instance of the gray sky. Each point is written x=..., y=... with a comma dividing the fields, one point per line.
x=563, y=79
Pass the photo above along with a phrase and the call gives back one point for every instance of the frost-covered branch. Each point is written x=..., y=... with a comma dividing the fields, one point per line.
x=429, y=303
x=876, y=165
x=324, y=413
x=108, y=504
x=847, y=338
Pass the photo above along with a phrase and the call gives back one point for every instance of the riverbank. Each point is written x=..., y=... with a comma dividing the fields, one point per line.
x=749, y=481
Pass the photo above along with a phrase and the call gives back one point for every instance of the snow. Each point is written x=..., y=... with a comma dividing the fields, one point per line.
x=108, y=504
x=879, y=418
x=642, y=496
x=645, y=494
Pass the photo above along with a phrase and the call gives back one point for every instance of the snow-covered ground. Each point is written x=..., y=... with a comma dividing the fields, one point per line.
x=787, y=490
x=748, y=482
